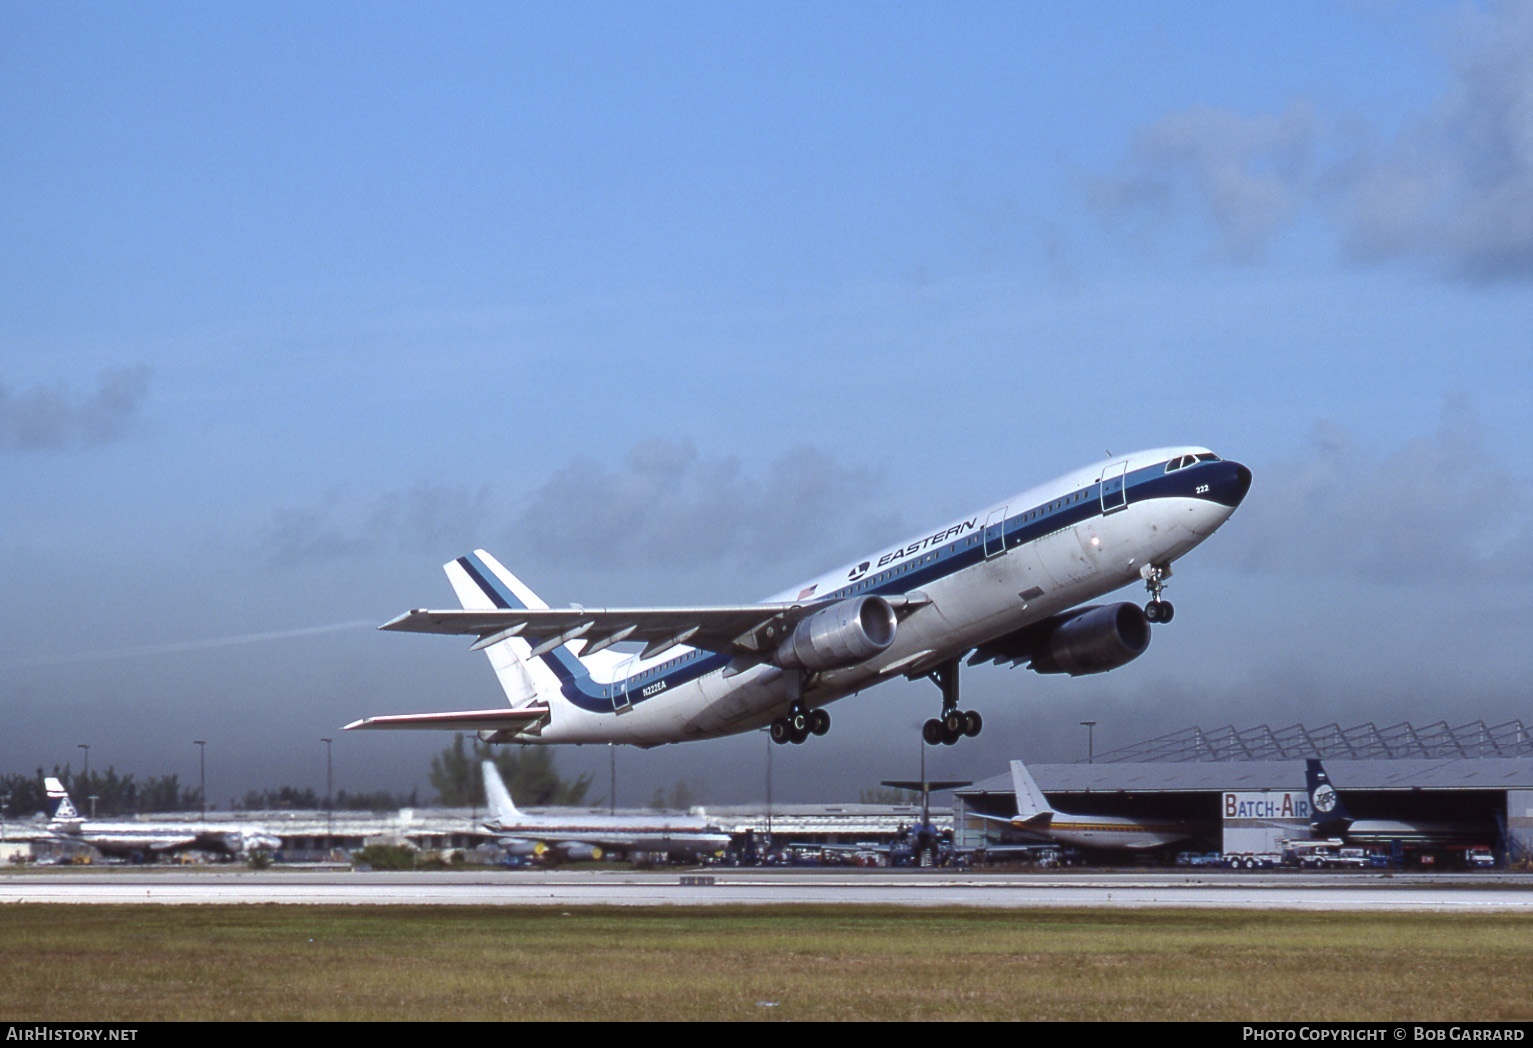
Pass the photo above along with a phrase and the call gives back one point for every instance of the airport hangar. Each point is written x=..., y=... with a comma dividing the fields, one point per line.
x=1473, y=780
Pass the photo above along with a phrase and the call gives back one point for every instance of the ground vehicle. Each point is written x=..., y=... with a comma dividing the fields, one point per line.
x=1479, y=858
x=1253, y=861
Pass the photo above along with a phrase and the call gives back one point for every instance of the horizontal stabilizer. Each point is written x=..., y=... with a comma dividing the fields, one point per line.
x=462, y=720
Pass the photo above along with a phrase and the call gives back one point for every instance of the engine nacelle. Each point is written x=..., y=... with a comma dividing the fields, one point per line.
x=1097, y=640
x=844, y=634
x=578, y=851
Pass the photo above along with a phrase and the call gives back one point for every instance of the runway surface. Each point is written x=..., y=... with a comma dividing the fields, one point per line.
x=1467, y=892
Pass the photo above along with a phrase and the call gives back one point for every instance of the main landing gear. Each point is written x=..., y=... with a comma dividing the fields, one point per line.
x=799, y=724
x=1155, y=576
x=954, y=723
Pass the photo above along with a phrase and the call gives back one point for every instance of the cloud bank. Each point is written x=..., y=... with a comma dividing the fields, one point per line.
x=48, y=418
x=1440, y=507
x=1454, y=188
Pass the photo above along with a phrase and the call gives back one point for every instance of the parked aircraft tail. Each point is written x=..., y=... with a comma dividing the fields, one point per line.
x=1031, y=805
x=65, y=812
x=1327, y=812
x=501, y=805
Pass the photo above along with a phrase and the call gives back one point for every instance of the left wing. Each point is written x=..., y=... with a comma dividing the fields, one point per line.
x=747, y=629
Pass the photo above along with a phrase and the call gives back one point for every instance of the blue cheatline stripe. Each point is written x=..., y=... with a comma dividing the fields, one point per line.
x=946, y=559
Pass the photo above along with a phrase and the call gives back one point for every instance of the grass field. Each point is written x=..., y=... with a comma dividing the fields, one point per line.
x=395, y=962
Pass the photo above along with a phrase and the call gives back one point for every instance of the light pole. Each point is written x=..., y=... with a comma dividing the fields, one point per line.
x=329, y=795
x=1091, y=752
x=85, y=775
x=202, y=773
x=612, y=793
x=770, y=744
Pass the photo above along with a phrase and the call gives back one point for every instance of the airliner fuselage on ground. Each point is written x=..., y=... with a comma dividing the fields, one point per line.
x=1109, y=832
x=149, y=838
x=1007, y=583
x=586, y=836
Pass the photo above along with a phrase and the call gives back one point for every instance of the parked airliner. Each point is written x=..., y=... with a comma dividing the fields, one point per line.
x=1331, y=818
x=141, y=838
x=1113, y=832
x=1008, y=583
x=587, y=836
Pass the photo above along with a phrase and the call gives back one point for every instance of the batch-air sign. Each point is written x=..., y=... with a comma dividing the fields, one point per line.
x=1267, y=805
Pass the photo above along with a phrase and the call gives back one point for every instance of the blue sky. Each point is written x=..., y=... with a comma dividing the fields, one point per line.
x=685, y=302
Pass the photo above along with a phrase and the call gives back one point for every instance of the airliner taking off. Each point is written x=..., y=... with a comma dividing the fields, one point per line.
x=1008, y=583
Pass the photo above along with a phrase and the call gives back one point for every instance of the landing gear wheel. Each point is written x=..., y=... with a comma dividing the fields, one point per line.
x=953, y=724
x=1159, y=611
x=798, y=737
x=972, y=723
x=798, y=720
x=932, y=732
x=819, y=722
x=780, y=731
x=1166, y=611
x=950, y=738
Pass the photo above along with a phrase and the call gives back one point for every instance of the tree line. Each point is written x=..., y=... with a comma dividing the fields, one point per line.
x=455, y=776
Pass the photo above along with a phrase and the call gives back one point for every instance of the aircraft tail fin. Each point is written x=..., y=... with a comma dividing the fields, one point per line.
x=1326, y=811
x=1031, y=805
x=56, y=792
x=501, y=805
x=528, y=675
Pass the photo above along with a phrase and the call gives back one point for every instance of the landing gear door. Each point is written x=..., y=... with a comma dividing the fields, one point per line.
x=1114, y=487
x=995, y=533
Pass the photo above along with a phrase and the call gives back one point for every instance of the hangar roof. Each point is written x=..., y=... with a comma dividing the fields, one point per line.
x=1361, y=742
x=1475, y=773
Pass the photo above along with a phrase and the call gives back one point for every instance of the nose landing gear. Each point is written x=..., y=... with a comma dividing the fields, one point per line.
x=1155, y=576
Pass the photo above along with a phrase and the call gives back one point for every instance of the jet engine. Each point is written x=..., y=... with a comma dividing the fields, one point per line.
x=578, y=851
x=844, y=634
x=1094, y=641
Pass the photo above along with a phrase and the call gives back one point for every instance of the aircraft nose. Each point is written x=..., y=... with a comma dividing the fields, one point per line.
x=1232, y=487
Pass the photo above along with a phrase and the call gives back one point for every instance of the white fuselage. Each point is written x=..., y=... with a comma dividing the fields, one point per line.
x=1106, y=831
x=983, y=576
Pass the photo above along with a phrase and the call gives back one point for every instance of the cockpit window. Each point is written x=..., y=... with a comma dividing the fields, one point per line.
x=1208, y=456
